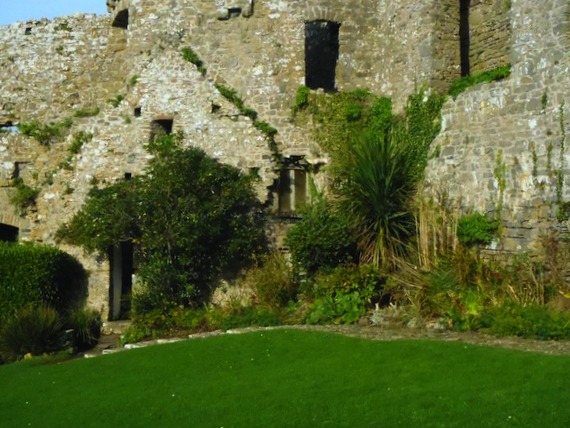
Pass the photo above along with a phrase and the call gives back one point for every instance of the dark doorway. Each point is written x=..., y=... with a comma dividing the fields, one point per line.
x=122, y=19
x=464, y=37
x=8, y=233
x=120, y=291
x=321, y=54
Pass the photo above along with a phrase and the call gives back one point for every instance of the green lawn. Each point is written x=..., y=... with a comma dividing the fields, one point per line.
x=290, y=378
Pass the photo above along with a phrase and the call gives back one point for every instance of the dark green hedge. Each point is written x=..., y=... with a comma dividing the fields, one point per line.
x=39, y=274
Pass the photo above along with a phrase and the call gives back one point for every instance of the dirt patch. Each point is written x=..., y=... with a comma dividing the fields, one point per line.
x=474, y=338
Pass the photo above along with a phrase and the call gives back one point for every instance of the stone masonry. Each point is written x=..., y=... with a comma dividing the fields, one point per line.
x=127, y=69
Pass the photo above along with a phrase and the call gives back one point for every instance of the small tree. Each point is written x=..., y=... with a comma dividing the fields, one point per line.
x=193, y=220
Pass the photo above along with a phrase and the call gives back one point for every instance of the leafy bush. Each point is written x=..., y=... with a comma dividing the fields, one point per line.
x=86, y=328
x=365, y=279
x=476, y=229
x=322, y=239
x=537, y=322
x=460, y=85
x=242, y=316
x=31, y=330
x=272, y=281
x=192, y=227
x=337, y=309
x=39, y=275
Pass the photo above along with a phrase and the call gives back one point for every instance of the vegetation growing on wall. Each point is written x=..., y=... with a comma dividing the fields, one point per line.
x=45, y=134
x=462, y=84
x=378, y=159
x=23, y=196
x=189, y=55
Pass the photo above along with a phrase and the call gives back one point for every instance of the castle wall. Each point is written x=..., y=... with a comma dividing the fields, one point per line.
x=500, y=143
x=490, y=34
x=504, y=143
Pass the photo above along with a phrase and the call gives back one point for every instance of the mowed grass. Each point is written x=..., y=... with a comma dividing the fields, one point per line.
x=292, y=378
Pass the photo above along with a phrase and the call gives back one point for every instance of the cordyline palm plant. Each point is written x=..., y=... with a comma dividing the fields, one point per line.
x=376, y=184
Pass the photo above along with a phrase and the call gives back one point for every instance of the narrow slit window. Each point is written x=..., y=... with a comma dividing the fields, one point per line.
x=464, y=37
x=321, y=54
x=122, y=19
x=137, y=112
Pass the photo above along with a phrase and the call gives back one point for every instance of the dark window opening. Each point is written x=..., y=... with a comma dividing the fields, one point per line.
x=138, y=112
x=234, y=12
x=8, y=233
x=122, y=19
x=28, y=31
x=321, y=54
x=464, y=37
x=8, y=127
x=291, y=191
x=128, y=175
x=160, y=128
x=215, y=108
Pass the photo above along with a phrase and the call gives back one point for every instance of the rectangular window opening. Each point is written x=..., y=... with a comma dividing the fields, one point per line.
x=464, y=37
x=321, y=54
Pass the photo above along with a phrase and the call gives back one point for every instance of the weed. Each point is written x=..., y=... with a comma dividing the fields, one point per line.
x=462, y=84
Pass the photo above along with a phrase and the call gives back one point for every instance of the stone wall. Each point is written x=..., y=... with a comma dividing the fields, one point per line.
x=503, y=144
x=490, y=34
x=128, y=65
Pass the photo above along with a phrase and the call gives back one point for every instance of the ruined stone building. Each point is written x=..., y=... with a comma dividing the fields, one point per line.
x=502, y=144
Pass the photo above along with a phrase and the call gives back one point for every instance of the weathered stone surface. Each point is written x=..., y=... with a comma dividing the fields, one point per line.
x=51, y=69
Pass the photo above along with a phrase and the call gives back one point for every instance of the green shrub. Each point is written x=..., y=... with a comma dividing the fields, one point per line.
x=476, y=229
x=365, y=279
x=192, y=227
x=460, y=85
x=337, y=309
x=272, y=281
x=322, y=239
x=238, y=316
x=31, y=330
x=537, y=322
x=86, y=328
x=39, y=275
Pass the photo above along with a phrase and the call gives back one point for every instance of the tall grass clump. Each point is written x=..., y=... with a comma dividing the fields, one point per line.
x=31, y=330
